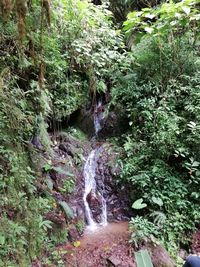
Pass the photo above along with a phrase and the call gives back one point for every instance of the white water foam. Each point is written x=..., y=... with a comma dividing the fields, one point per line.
x=91, y=188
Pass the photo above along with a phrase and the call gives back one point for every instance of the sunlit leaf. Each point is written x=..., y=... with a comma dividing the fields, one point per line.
x=138, y=204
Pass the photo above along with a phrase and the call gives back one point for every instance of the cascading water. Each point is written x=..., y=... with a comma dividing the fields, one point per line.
x=98, y=116
x=90, y=187
x=91, y=190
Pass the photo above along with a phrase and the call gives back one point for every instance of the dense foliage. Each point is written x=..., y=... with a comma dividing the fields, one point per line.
x=54, y=59
x=160, y=92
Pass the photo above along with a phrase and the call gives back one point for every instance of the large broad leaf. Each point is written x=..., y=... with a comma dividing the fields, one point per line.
x=186, y=10
x=157, y=201
x=68, y=211
x=2, y=239
x=138, y=204
x=143, y=259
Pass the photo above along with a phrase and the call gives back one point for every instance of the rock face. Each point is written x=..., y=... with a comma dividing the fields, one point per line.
x=56, y=218
x=85, y=121
x=112, y=124
x=63, y=180
x=116, y=198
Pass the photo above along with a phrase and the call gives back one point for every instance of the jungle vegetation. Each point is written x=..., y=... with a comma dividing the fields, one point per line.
x=55, y=56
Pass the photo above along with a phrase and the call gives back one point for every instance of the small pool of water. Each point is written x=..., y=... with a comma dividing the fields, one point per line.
x=104, y=234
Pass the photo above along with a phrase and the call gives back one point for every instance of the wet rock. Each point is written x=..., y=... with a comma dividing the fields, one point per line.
x=66, y=149
x=89, y=197
x=53, y=175
x=93, y=200
x=95, y=204
x=36, y=142
x=116, y=198
x=113, y=261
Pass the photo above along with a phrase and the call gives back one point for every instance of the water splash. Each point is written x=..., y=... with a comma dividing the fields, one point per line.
x=91, y=190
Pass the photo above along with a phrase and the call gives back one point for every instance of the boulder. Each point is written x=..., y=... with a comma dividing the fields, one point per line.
x=95, y=203
x=73, y=233
x=160, y=257
x=66, y=149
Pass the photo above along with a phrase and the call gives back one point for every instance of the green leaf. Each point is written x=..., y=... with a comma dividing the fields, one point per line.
x=2, y=240
x=138, y=204
x=47, y=167
x=46, y=224
x=186, y=10
x=143, y=259
x=68, y=211
x=148, y=29
x=157, y=201
x=195, y=164
x=101, y=87
x=149, y=16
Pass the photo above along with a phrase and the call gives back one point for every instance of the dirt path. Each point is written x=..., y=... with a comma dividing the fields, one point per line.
x=106, y=246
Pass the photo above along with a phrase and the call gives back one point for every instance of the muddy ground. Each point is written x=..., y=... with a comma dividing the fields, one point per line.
x=106, y=246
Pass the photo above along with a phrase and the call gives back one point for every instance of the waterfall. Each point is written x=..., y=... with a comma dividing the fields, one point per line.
x=92, y=195
x=98, y=116
x=90, y=186
x=91, y=191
